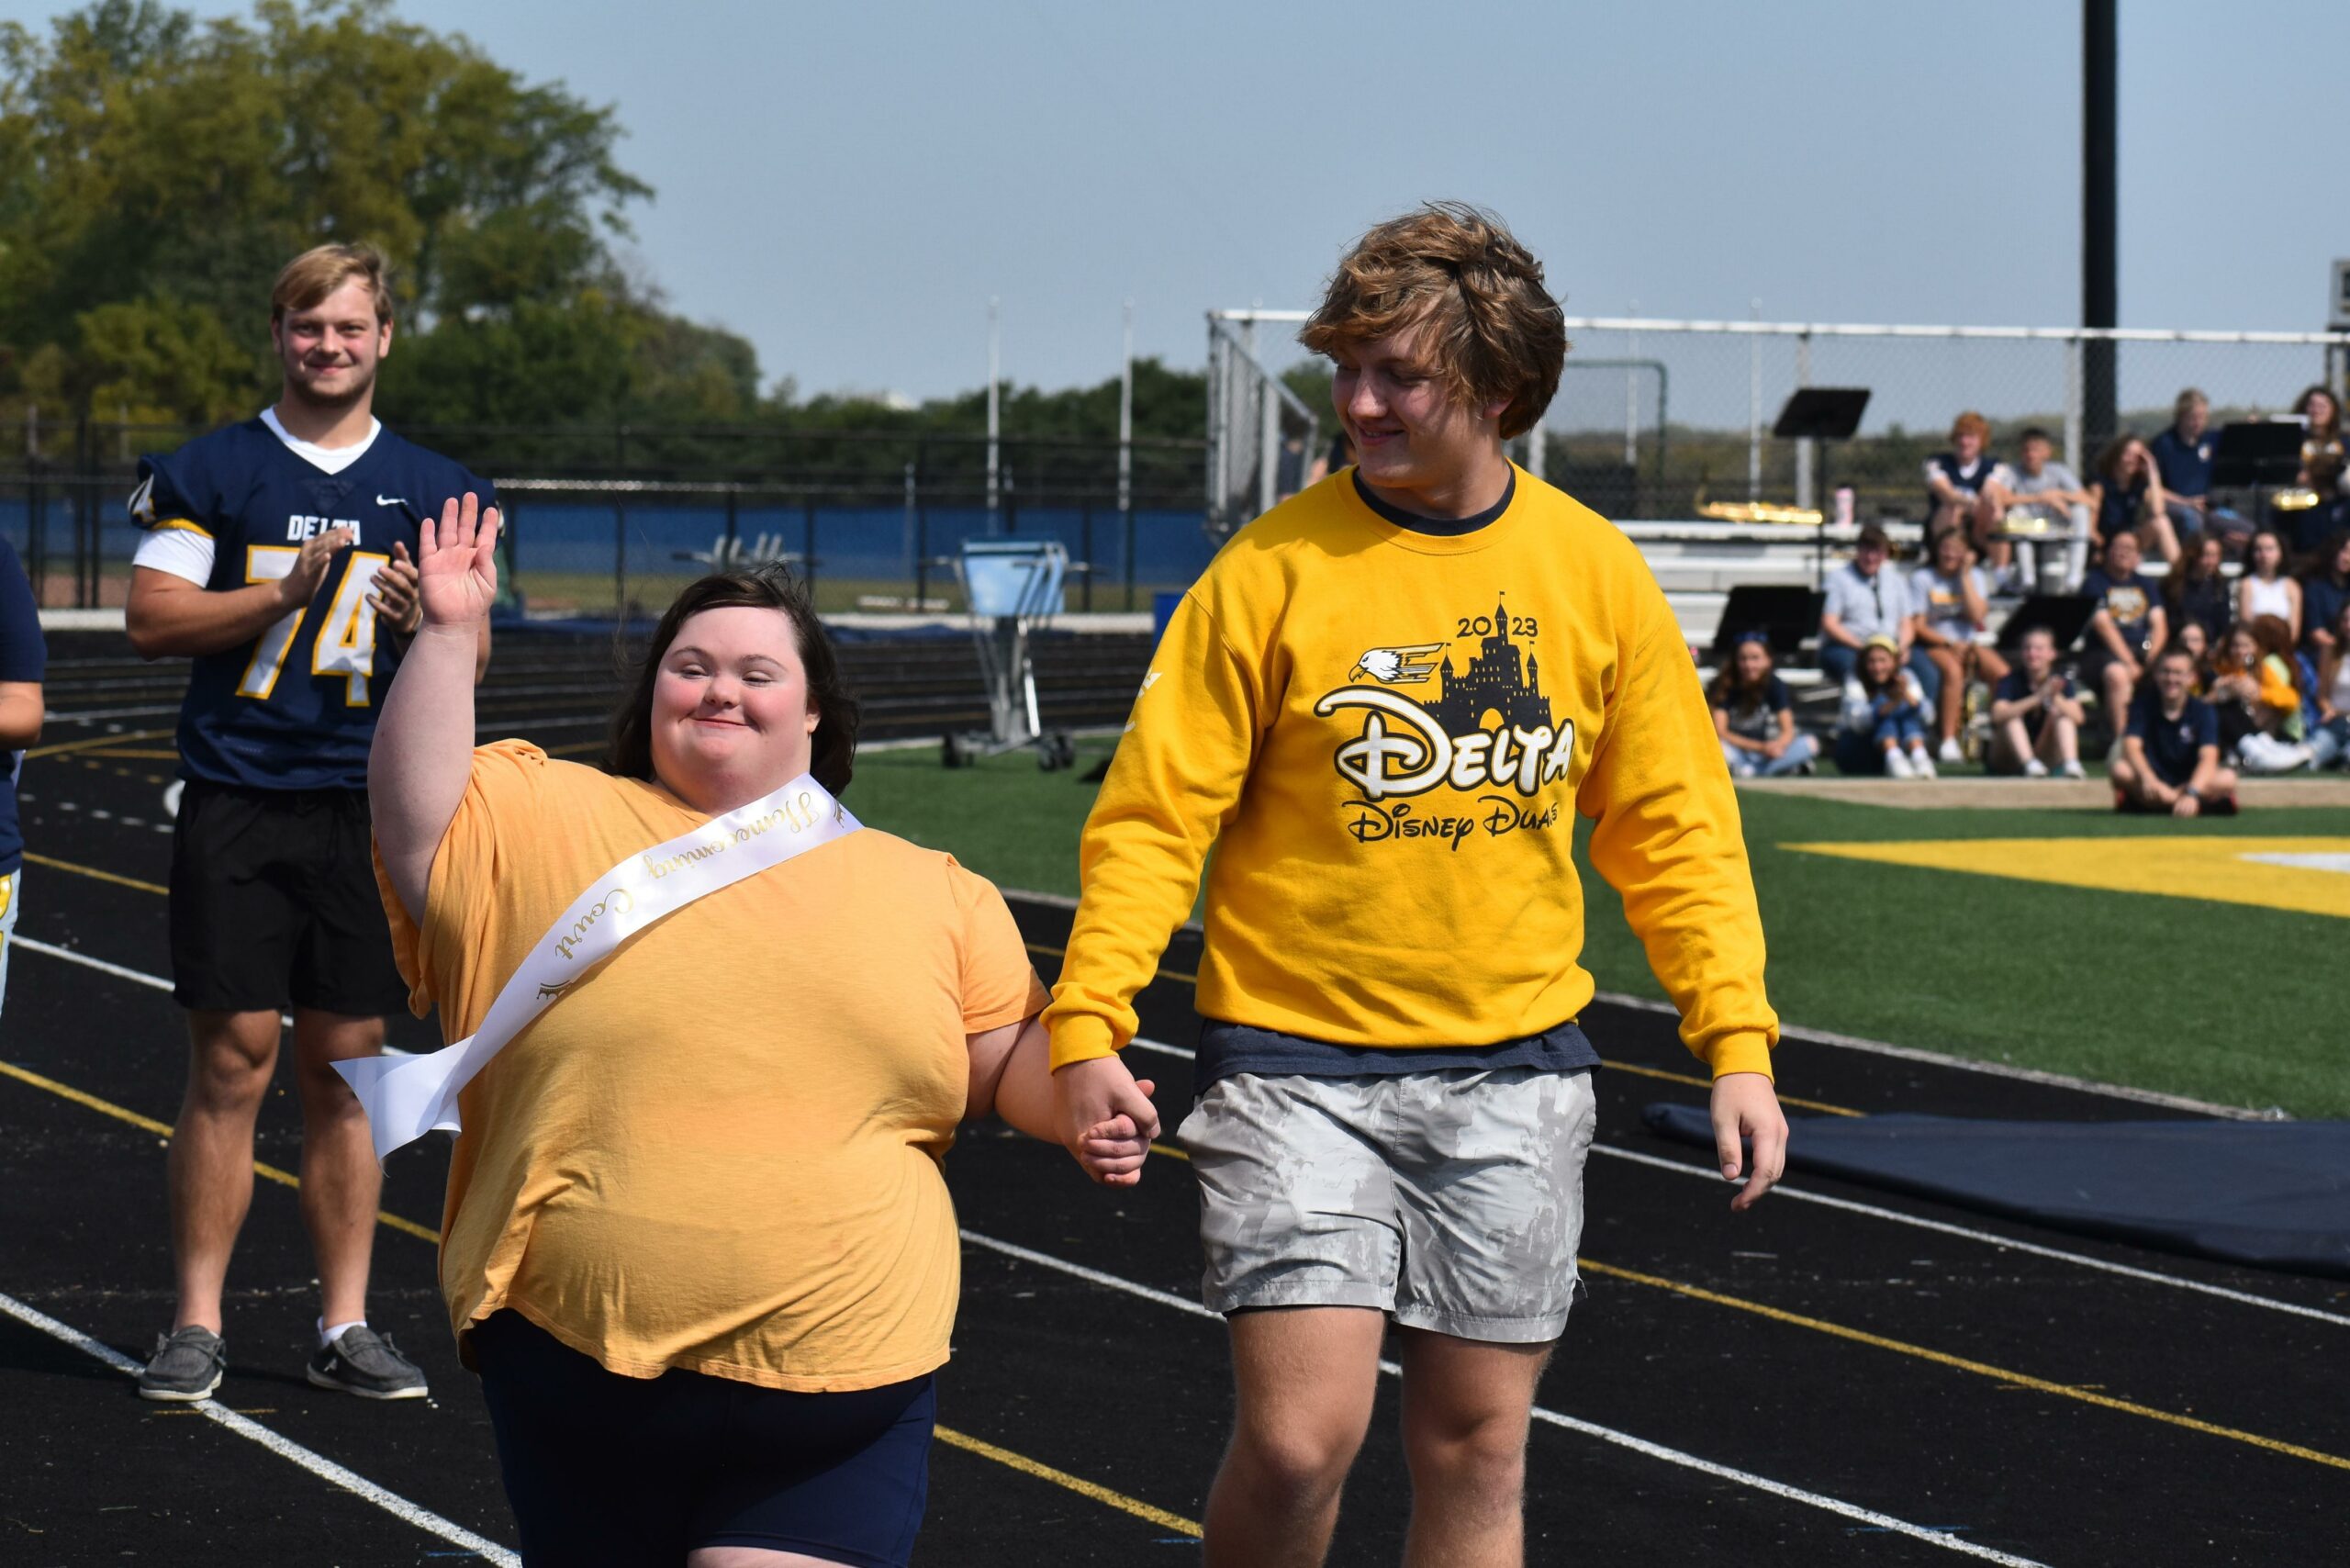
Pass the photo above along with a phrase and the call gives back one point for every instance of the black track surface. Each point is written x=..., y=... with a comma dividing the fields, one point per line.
x=1124, y=1392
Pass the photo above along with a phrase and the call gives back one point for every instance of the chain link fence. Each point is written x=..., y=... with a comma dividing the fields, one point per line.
x=615, y=521
x=1654, y=418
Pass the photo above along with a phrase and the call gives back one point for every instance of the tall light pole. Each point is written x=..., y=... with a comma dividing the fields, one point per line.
x=2100, y=285
x=995, y=356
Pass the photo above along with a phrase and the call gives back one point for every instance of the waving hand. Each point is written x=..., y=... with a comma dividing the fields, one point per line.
x=456, y=564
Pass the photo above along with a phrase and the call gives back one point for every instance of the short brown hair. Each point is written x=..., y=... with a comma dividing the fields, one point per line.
x=832, y=748
x=319, y=270
x=1971, y=421
x=1496, y=332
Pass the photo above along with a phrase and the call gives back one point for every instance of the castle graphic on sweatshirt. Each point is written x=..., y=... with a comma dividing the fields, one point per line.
x=1412, y=742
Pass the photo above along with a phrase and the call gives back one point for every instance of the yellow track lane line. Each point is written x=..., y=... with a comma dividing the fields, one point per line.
x=1076, y=1483
x=162, y=1129
x=1021, y=1462
x=1707, y=1084
x=63, y=747
x=92, y=872
x=1960, y=1363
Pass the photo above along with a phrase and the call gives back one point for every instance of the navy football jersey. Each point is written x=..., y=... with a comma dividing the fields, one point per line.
x=295, y=707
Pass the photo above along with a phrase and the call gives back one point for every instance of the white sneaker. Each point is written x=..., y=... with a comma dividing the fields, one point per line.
x=1897, y=765
x=1950, y=756
x=2073, y=769
x=2035, y=768
x=1921, y=765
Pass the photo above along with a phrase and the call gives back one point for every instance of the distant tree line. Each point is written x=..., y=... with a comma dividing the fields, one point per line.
x=156, y=169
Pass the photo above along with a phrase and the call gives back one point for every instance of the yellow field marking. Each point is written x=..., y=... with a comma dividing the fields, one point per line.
x=84, y=744
x=1707, y=1084
x=1021, y=1462
x=1076, y=1484
x=93, y=871
x=137, y=752
x=2205, y=867
x=1980, y=1369
x=163, y=1129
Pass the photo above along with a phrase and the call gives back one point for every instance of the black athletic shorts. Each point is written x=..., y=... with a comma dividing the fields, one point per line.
x=273, y=902
x=611, y=1472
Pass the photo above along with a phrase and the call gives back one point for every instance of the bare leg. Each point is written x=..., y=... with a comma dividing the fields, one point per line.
x=1305, y=1377
x=2159, y=538
x=1465, y=1410
x=2119, y=690
x=2125, y=779
x=2011, y=743
x=1953, y=701
x=342, y=1184
x=210, y=1167
x=2060, y=741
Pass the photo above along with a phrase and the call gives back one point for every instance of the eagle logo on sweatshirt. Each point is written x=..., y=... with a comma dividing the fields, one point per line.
x=1414, y=742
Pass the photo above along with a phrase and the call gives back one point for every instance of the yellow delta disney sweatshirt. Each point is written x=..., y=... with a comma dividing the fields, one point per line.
x=1383, y=733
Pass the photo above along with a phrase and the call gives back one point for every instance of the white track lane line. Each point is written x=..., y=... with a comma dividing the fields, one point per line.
x=153, y=983
x=1855, y=1043
x=1917, y=1222
x=277, y=1443
x=1836, y=1505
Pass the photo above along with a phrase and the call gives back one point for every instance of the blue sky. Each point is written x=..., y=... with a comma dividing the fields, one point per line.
x=847, y=186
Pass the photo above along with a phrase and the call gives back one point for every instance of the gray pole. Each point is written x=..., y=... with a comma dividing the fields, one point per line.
x=994, y=368
x=1127, y=418
x=1754, y=407
x=2099, y=256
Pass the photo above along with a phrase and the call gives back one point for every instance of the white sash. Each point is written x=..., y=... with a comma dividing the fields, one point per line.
x=406, y=1097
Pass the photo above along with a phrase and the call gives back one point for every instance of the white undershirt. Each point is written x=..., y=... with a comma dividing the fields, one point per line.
x=187, y=553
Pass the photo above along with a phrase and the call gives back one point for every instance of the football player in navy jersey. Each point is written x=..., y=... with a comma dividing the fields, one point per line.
x=279, y=558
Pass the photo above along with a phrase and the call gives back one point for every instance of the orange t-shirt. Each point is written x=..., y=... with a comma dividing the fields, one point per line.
x=721, y=1152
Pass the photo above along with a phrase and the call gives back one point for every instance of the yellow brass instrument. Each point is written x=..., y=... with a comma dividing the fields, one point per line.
x=2295, y=499
x=1760, y=511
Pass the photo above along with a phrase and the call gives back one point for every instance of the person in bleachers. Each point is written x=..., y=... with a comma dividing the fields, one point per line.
x=2169, y=759
x=2128, y=625
x=2323, y=471
x=2258, y=700
x=2330, y=739
x=2265, y=588
x=2183, y=456
x=1882, y=727
x=1955, y=479
x=1755, y=714
x=2325, y=587
x=2132, y=499
x=1948, y=628
x=2198, y=644
x=2039, y=487
x=2195, y=592
x=1868, y=599
x=2036, y=714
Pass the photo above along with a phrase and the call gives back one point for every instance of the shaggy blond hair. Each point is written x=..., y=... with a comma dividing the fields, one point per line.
x=319, y=270
x=1495, y=334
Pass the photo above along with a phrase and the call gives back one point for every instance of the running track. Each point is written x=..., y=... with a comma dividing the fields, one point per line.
x=1839, y=1377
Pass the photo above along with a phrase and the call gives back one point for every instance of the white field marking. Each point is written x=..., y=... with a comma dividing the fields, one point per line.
x=1896, y=1216
x=2148, y=1275
x=284, y=1447
x=1552, y=1417
x=153, y=983
x=2309, y=862
x=1968, y=1064
x=1855, y=1043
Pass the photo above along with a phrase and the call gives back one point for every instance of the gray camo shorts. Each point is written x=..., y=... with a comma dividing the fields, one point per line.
x=1451, y=1201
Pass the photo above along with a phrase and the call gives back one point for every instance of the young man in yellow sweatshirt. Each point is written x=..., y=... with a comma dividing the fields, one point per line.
x=1382, y=704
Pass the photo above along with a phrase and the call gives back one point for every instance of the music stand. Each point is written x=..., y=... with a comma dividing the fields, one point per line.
x=2065, y=615
x=1822, y=414
x=2258, y=455
x=1784, y=613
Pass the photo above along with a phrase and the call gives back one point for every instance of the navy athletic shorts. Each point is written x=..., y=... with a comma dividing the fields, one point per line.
x=612, y=1472
x=274, y=901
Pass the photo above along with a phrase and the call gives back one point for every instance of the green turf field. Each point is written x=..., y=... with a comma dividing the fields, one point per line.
x=2220, y=1001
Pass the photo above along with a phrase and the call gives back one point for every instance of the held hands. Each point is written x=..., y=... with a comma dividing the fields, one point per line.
x=1745, y=1106
x=457, y=563
x=1105, y=1118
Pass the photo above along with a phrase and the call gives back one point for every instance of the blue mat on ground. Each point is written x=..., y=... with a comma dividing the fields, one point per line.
x=2272, y=1194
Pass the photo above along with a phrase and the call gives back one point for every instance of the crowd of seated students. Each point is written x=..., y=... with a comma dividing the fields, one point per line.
x=2260, y=661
